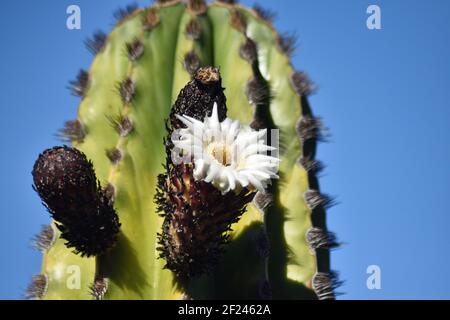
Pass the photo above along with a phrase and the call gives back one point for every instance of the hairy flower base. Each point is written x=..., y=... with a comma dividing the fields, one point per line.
x=197, y=218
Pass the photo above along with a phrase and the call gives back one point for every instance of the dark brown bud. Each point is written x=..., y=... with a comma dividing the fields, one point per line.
x=66, y=182
x=63, y=178
x=197, y=98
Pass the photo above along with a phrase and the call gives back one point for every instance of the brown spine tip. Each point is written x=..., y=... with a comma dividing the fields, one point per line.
x=127, y=90
x=99, y=288
x=73, y=131
x=79, y=86
x=318, y=238
x=257, y=91
x=37, y=288
x=114, y=155
x=302, y=84
x=238, y=20
x=44, y=239
x=110, y=192
x=287, y=43
x=151, y=19
x=123, y=13
x=263, y=200
x=324, y=284
x=122, y=124
x=311, y=128
x=191, y=62
x=311, y=165
x=193, y=29
x=316, y=199
x=197, y=6
x=265, y=14
x=97, y=42
x=248, y=51
x=135, y=50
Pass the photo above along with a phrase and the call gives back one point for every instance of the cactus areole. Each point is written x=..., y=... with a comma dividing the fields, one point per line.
x=191, y=172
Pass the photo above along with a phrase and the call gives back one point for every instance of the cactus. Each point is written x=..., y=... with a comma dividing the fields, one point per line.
x=117, y=199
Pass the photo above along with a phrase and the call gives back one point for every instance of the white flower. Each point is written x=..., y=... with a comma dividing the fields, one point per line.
x=227, y=154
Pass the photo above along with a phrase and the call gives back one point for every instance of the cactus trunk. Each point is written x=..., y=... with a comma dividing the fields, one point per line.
x=279, y=248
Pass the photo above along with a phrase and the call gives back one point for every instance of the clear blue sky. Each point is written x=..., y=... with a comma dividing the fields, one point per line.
x=384, y=94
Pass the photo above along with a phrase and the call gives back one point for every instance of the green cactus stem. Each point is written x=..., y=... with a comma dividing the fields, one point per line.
x=156, y=64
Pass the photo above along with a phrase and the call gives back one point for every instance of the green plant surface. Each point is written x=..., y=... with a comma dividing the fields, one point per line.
x=132, y=267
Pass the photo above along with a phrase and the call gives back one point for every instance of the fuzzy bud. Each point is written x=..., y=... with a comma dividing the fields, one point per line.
x=66, y=182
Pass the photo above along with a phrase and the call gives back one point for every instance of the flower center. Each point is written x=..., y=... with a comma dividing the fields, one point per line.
x=220, y=152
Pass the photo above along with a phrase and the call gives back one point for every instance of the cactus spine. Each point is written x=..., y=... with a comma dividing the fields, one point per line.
x=279, y=248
